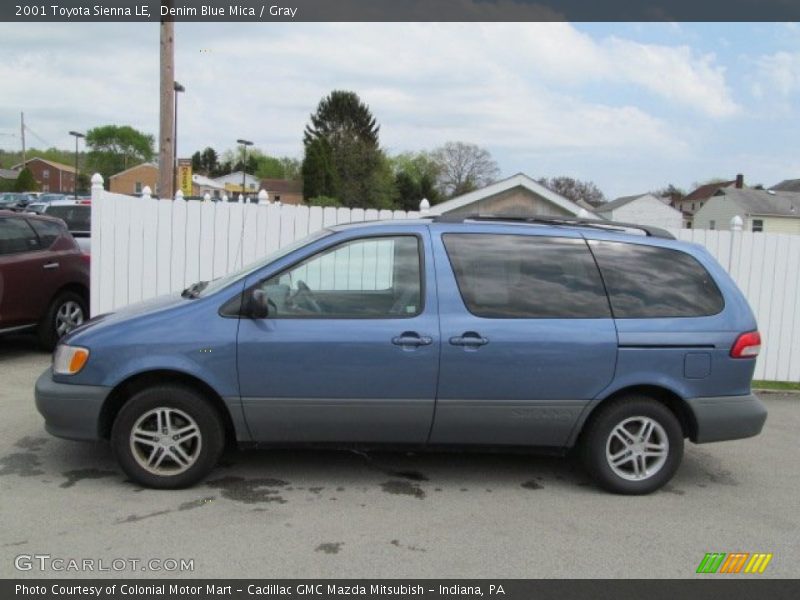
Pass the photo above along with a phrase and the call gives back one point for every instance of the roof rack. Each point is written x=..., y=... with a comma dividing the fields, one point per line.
x=596, y=223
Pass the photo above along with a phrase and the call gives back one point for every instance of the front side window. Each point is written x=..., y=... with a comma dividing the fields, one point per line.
x=16, y=236
x=649, y=282
x=526, y=277
x=367, y=278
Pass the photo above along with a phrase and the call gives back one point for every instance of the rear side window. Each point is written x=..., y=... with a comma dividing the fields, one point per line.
x=16, y=236
x=47, y=231
x=526, y=277
x=648, y=282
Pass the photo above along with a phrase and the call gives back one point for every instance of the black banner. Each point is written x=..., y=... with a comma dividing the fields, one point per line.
x=399, y=10
x=712, y=588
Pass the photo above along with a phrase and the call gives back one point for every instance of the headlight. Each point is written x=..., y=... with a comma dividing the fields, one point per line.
x=69, y=360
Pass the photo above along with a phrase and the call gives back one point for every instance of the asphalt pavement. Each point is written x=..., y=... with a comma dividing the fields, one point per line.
x=318, y=513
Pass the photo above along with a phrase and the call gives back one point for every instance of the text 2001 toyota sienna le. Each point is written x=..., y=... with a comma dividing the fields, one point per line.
x=430, y=333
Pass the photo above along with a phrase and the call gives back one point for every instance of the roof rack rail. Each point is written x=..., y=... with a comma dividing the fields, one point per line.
x=596, y=223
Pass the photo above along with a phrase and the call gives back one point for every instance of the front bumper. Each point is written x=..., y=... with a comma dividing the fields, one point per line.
x=70, y=411
x=727, y=417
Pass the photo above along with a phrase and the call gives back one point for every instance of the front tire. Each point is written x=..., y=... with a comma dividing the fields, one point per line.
x=167, y=437
x=67, y=311
x=633, y=445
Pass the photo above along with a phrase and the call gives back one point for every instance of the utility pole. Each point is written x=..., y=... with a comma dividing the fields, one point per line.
x=22, y=131
x=77, y=135
x=166, y=145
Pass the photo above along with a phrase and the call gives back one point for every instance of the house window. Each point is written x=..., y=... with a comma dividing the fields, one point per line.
x=137, y=187
x=46, y=174
x=712, y=224
x=758, y=225
x=277, y=198
x=692, y=205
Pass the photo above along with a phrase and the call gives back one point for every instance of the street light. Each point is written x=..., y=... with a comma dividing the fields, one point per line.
x=178, y=88
x=75, y=179
x=245, y=144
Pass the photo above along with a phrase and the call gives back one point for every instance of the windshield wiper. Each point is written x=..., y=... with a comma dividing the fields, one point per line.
x=193, y=291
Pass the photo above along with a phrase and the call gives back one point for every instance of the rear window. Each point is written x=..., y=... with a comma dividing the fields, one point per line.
x=526, y=277
x=78, y=217
x=648, y=282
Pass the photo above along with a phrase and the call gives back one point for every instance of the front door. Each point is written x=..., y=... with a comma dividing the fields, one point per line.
x=527, y=337
x=349, y=351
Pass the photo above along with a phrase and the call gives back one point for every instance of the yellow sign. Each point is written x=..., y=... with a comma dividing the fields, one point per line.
x=185, y=176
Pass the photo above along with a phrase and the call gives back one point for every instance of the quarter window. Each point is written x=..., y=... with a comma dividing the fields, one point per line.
x=526, y=277
x=366, y=278
x=47, y=231
x=16, y=236
x=649, y=282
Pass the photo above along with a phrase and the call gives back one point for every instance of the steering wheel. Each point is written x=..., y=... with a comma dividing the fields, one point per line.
x=304, y=294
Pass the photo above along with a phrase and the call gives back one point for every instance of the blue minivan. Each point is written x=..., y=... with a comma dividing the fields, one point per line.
x=488, y=332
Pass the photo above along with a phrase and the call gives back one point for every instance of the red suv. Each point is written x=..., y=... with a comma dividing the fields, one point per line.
x=44, y=277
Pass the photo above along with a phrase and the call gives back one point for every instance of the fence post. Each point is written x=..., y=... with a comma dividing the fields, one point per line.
x=424, y=206
x=263, y=197
x=225, y=198
x=147, y=193
x=97, y=187
x=241, y=198
x=179, y=195
x=206, y=197
x=736, y=227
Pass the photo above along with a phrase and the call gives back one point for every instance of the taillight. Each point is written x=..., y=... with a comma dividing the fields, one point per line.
x=86, y=257
x=747, y=345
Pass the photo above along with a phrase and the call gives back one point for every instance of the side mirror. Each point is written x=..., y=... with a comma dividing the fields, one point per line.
x=258, y=305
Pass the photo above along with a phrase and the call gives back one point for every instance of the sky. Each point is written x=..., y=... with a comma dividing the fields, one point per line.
x=632, y=107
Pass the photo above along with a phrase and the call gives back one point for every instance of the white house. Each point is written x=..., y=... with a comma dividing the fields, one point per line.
x=232, y=183
x=517, y=195
x=760, y=210
x=642, y=209
x=202, y=185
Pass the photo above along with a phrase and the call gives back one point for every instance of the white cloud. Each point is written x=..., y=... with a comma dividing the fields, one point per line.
x=526, y=87
x=778, y=73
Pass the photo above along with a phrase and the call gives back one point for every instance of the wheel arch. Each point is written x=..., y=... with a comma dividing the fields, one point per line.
x=124, y=390
x=669, y=398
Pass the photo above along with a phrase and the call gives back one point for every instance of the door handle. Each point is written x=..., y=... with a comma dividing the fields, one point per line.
x=412, y=338
x=470, y=339
x=52, y=265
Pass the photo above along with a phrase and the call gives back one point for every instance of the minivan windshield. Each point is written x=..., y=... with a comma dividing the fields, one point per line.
x=225, y=280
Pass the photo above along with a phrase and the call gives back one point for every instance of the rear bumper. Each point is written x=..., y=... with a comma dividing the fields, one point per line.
x=70, y=411
x=727, y=417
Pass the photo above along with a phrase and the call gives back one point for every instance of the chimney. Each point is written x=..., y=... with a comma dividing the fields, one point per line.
x=739, y=181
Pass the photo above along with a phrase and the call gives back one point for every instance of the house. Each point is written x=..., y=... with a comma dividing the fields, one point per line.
x=202, y=185
x=51, y=176
x=787, y=185
x=761, y=210
x=642, y=209
x=132, y=181
x=285, y=191
x=695, y=199
x=232, y=183
x=8, y=177
x=517, y=195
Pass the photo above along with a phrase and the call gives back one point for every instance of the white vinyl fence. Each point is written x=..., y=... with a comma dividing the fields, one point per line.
x=143, y=247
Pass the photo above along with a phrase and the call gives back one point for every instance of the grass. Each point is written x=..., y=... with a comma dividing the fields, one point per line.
x=781, y=386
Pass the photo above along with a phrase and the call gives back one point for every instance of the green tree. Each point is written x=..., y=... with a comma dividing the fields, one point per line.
x=319, y=175
x=343, y=158
x=324, y=201
x=114, y=148
x=415, y=176
x=25, y=181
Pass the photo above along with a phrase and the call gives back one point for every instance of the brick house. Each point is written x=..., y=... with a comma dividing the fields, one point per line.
x=285, y=191
x=696, y=199
x=132, y=181
x=51, y=176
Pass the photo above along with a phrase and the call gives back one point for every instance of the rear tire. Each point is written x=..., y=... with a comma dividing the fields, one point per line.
x=632, y=446
x=67, y=311
x=167, y=437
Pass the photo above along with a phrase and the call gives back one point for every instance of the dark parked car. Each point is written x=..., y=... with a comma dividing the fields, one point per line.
x=44, y=277
x=12, y=200
x=427, y=333
x=78, y=218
